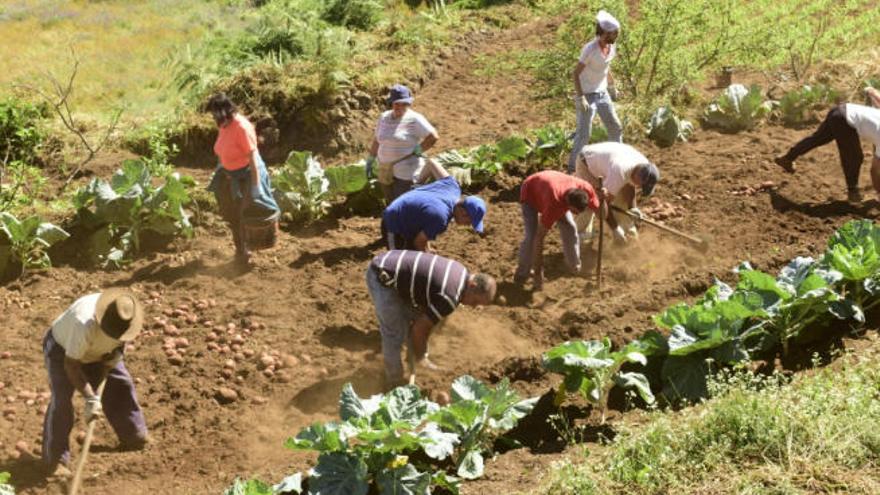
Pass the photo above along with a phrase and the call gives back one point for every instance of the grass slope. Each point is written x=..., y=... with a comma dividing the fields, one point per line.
x=820, y=433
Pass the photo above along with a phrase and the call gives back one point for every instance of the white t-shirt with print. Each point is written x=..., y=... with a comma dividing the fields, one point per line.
x=399, y=137
x=613, y=161
x=78, y=332
x=866, y=121
x=594, y=77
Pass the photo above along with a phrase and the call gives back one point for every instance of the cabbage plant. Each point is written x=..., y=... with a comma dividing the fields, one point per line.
x=737, y=109
x=26, y=241
x=666, y=128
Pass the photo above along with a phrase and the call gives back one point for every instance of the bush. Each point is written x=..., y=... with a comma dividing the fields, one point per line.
x=20, y=135
x=800, y=106
x=355, y=14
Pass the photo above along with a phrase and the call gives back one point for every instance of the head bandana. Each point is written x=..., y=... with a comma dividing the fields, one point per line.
x=607, y=21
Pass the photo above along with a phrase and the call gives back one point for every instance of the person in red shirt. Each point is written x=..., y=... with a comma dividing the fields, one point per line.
x=241, y=182
x=556, y=197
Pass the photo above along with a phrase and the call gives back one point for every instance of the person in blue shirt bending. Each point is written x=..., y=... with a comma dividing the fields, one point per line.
x=420, y=215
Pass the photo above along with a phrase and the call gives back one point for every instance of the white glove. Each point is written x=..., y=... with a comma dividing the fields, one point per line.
x=584, y=104
x=93, y=408
x=619, y=235
x=637, y=212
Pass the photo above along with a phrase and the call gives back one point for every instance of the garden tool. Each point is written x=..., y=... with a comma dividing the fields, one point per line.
x=700, y=244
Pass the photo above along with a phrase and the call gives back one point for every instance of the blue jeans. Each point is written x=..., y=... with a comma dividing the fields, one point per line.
x=571, y=248
x=395, y=318
x=598, y=102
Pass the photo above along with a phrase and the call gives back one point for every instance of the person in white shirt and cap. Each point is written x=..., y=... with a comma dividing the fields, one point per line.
x=84, y=347
x=846, y=124
x=594, y=86
x=623, y=169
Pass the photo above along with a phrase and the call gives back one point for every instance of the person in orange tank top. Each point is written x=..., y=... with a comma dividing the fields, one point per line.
x=241, y=182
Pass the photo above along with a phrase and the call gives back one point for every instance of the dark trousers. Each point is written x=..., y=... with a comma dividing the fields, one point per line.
x=232, y=207
x=119, y=402
x=395, y=241
x=836, y=128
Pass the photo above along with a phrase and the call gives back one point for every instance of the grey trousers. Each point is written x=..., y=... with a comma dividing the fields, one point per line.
x=571, y=248
x=598, y=103
x=395, y=318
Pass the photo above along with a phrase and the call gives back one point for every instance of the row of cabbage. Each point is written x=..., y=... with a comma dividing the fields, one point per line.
x=728, y=326
x=401, y=442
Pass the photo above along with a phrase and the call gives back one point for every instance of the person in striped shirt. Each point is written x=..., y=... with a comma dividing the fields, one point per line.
x=412, y=291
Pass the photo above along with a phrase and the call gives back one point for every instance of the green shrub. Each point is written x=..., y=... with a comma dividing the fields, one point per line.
x=20, y=135
x=355, y=14
x=800, y=106
x=25, y=242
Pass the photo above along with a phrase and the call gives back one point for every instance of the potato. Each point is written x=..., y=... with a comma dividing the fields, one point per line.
x=229, y=363
x=248, y=352
x=267, y=361
x=226, y=373
x=231, y=326
x=442, y=398
x=281, y=377
x=5, y=355
x=237, y=339
x=211, y=337
x=268, y=373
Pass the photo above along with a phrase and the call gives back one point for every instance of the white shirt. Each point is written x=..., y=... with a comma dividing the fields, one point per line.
x=866, y=121
x=594, y=77
x=613, y=161
x=78, y=332
x=399, y=137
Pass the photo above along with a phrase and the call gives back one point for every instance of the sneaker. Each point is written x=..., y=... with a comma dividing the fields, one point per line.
x=787, y=164
x=854, y=196
x=139, y=442
x=59, y=471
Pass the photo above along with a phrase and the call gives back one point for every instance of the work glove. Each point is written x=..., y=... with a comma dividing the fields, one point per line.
x=619, y=235
x=371, y=162
x=93, y=408
x=417, y=151
x=636, y=213
x=584, y=103
x=613, y=93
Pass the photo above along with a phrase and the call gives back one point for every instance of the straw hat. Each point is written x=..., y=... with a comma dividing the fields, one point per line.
x=119, y=314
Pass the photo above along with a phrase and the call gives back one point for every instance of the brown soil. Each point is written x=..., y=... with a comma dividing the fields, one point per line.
x=310, y=294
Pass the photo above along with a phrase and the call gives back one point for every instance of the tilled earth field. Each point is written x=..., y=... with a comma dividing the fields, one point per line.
x=305, y=307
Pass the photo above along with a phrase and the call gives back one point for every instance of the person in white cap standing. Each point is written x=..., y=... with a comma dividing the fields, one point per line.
x=594, y=86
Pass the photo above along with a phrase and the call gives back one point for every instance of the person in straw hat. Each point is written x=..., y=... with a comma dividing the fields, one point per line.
x=82, y=348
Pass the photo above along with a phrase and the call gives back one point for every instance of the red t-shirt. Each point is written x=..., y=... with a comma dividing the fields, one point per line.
x=235, y=143
x=545, y=192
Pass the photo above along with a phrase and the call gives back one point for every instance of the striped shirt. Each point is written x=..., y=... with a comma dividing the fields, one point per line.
x=432, y=283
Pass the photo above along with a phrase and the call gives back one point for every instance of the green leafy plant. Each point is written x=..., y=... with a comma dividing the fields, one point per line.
x=20, y=133
x=304, y=190
x=356, y=14
x=666, y=128
x=591, y=368
x=400, y=442
x=5, y=487
x=119, y=213
x=712, y=330
x=25, y=242
x=737, y=109
x=486, y=161
x=799, y=106
x=801, y=296
x=854, y=252
x=548, y=146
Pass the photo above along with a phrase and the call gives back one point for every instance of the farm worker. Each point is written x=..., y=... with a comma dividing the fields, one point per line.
x=402, y=135
x=420, y=215
x=623, y=169
x=241, y=181
x=82, y=348
x=556, y=197
x=594, y=86
x=413, y=291
x=845, y=124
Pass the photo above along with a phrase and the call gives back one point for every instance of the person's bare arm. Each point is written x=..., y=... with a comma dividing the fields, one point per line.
x=429, y=141
x=420, y=331
x=255, y=174
x=577, y=78
x=432, y=169
x=874, y=95
x=420, y=243
x=374, y=147
x=74, y=370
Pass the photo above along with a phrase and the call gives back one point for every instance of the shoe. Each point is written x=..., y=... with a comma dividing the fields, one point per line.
x=59, y=471
x=787, y=164
x=854, y=196
x=520, y=280
x=140, y=442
